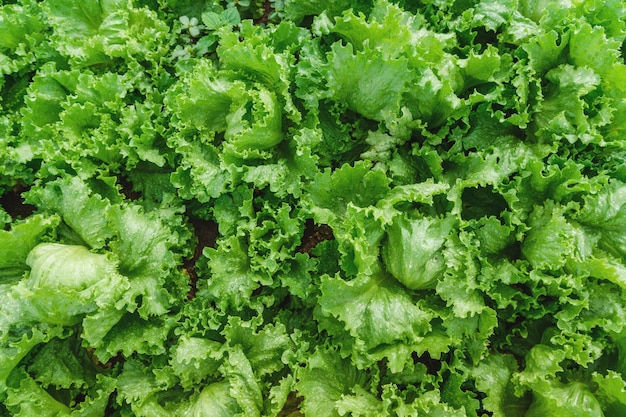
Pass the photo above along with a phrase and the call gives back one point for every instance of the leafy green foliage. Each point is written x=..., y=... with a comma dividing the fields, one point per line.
x=268, y=208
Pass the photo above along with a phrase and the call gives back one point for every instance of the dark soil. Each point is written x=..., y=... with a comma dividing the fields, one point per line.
x=206, y=232
x=13, y=203
x=292, y=406
x=314, y=234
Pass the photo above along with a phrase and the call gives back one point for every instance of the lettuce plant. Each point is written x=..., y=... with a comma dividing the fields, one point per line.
x=286, y=208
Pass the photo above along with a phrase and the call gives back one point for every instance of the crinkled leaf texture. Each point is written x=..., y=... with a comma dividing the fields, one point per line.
x=320, y=208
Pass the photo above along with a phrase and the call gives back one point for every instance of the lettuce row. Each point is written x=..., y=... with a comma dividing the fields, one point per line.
x=357, y=208
x=85, y=271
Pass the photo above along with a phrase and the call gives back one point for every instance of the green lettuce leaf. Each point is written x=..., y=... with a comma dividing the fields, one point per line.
x=366, y=301
x=297, y=10
x=358, y=185
x=252, y=208
x=494, y=377
x=411, y=250
x=83, y=211
x=332, y=387
x=195, y=359
x=93, y=33
x=263, y=347
x=18, y=342
x=26, y=397
x=611, y=393
x=66, y=281
x=368, y=93
x=214, y=400
x=231, y=280
x=60, y=377
x=559, y=399
x=17, y=243
x=605, y=213
x=551, y=239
